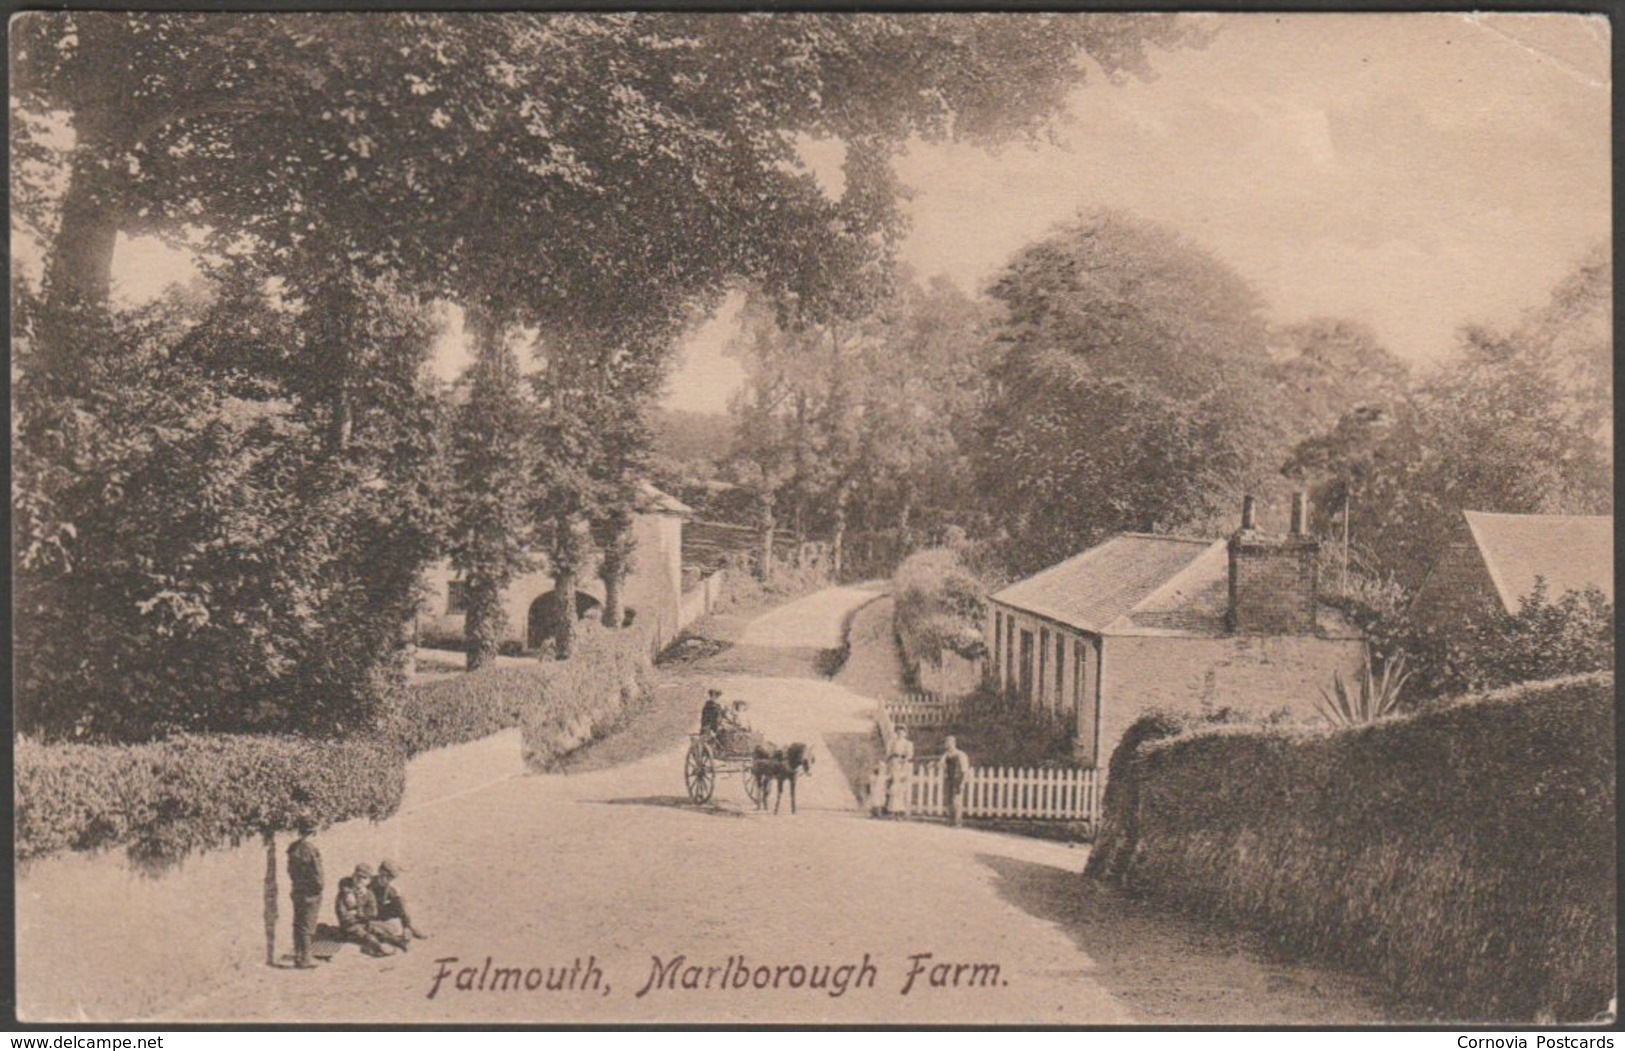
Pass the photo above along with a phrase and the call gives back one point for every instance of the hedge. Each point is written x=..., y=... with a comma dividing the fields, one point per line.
x=463, y=708
x=579, y=699
x=1466, y=855
x=164, y=799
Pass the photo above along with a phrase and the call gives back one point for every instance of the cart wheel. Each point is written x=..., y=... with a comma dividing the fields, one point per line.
x=699, y=773
x=752, y=786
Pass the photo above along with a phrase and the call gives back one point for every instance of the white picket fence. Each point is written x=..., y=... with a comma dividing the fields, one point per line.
x=918, y=709
x=1039, y=793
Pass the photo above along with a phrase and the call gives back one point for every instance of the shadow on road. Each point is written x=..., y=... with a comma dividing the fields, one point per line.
x=855, y=754
x=1171, y=969
x=675, y=803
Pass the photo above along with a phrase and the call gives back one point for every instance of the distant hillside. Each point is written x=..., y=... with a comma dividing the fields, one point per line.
x=690, y=437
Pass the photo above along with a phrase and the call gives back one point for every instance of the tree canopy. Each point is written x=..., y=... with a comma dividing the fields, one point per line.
x=1127, y=395
x=601, y=178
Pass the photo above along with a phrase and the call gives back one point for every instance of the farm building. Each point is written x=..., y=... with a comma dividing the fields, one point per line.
x=1146, y=621
x=653, y=587
x=1493, y=561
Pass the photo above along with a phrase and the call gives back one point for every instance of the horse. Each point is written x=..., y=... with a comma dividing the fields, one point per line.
x=776, y=766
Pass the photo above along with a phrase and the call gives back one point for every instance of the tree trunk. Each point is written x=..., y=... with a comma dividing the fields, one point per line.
x=564, y=590
x=837, y=545
x=269, y=836
x=764, y=563
x=78, y=275
x=483, y=621
x=614, y=584
x=617, y=546
x=79, y=270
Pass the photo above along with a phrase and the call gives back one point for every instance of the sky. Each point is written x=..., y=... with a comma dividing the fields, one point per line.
x=1415, y=172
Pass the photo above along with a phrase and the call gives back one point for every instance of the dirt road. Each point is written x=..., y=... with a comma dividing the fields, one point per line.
x=615, y=900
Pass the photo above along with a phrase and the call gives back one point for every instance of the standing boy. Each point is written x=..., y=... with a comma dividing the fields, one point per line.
x=305, y=881
x=955, y=772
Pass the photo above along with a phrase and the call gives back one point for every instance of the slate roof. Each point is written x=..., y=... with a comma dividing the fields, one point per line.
x=653, y=501
x=1571, y=552
x=1099, y=588
x=1144, y=584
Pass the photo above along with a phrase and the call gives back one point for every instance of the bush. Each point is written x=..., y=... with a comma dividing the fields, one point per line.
x=572, y=702
x=994, y=731
x=164, y=799
x=939, y=607
x=463, y=708
x=1465, y=855
x=194, y=553
x=1546, y=638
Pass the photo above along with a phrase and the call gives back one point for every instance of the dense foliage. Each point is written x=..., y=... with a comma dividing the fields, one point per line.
x=1517, y=422
x=164, y=799
x=222, y=513
x=1547, y=637
x=939, y=606
x=208, y=543
x=1126, y=395
x=1465, y=855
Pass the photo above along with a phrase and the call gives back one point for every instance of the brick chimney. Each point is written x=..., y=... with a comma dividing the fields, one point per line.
x=1273, y=578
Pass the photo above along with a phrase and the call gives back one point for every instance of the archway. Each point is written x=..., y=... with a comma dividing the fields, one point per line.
x=541, y=624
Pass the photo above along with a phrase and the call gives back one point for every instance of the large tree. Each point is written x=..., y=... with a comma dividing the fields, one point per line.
x=571, y=170
x=1129, y=394
x=492, y=449
x=1516, y=421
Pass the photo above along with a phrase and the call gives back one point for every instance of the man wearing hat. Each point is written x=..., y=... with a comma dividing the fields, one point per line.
x=357, y=914
x=305, y=881
x=711, y=714
x=390, y=905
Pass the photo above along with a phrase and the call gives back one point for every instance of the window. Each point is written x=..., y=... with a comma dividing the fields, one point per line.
x=1060, y=668
x=1010, y=654
x=1026, y=667
x=457, y=597
x=998, y=637
x=1043, y=662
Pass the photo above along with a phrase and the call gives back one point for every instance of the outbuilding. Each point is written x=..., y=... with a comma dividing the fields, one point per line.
x=1493, y=562
x=1146, y=621
x=653, y=588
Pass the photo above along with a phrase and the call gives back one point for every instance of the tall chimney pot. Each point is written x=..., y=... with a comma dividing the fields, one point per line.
x=1300, y=513
x=1248, y=513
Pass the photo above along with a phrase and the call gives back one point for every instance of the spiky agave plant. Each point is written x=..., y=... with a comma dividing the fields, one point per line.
x=1376, y=697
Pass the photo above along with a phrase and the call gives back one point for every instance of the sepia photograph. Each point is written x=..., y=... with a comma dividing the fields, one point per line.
x=1085, y=519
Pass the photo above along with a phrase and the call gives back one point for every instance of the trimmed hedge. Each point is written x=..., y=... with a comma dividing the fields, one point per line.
x=1465, y=855
x=463, y=708
x=580, y=699
x=164, y=799
x=167, y=798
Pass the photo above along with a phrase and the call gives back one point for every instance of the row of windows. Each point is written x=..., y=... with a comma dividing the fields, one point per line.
x=1005, y=637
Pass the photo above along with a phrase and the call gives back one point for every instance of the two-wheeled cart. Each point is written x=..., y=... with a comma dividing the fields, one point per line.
x=714, y=754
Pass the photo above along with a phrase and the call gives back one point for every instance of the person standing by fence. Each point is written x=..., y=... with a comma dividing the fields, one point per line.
x=955, y=774
x=899, y=773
